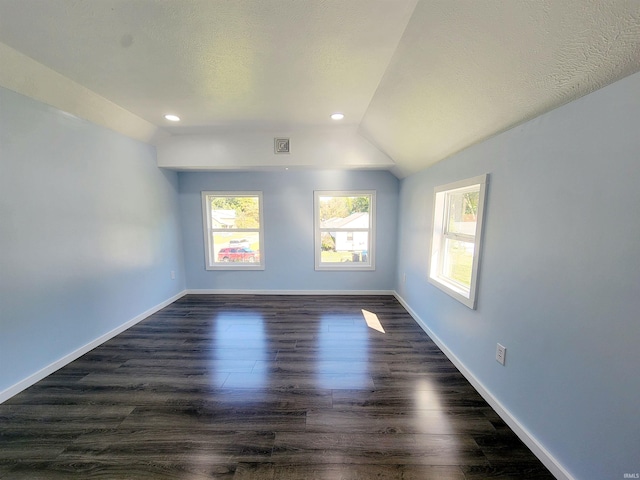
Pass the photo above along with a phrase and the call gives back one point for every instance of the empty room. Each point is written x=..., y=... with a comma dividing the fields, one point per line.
x=319, y=239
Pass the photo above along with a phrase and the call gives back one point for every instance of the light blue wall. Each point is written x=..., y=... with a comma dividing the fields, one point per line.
x=89, y=233
x=288, y=219
x=90, y=229
x=560, y=277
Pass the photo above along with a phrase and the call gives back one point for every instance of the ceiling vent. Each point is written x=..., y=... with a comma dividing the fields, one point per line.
x=281, y=145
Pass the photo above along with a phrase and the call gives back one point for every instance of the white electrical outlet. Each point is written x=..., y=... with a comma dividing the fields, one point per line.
x=173, y=275
x=501, y=354
x=404, y=278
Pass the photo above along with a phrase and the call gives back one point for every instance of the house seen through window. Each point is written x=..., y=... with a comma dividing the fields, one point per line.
x=344, y=230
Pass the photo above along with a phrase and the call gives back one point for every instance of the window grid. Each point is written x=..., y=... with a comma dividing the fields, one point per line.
x=457, y=229
x=233, y=235
x=341, y=238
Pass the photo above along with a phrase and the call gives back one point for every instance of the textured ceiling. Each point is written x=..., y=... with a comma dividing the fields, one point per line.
x=468, y=69
x=420, y=79
x=238, y=63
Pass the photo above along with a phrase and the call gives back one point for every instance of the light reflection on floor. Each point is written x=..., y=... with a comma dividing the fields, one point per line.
x=239, y=343
x=343, y=352
x=372, y=320
x=242, y=360
x=429, y=409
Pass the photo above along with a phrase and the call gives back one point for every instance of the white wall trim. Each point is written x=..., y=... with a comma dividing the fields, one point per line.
x=287, y=292
x=49, y=369
x=549, y=461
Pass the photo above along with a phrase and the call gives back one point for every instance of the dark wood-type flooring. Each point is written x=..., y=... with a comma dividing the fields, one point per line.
x=261, y=387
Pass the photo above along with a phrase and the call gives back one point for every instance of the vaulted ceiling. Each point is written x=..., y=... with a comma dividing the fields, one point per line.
x=417, y=80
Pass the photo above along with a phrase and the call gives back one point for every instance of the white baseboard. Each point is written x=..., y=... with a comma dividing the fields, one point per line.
x=549, y=461
x=49, y=369
x=287, y=292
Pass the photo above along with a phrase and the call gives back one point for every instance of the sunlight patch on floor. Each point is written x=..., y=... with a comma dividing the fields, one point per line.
x=372, y=321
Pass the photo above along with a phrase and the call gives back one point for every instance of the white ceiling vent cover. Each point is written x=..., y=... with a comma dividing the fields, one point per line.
x=281, y=145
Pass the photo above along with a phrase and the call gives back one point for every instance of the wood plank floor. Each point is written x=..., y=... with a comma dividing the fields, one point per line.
x=261, y=387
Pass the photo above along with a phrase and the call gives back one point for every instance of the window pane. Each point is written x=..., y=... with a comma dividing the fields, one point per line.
x=233, y=231
x=457, y=237
x=236, y=247
x=462, y=211
x=458, y=261
x=234, y=212
x=344, y=246
x=344, y=212
x=344, y=230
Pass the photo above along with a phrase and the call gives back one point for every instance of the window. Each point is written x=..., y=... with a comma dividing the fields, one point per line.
x=457, y=232
x=233, y=237
x=344, y=230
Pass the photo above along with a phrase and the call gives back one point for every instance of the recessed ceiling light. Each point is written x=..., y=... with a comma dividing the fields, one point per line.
x=337, y=116
x=172, y=118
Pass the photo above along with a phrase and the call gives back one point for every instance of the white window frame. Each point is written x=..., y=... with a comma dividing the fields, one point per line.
x=468, y=296
x=345, y=266
x=210, y=259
